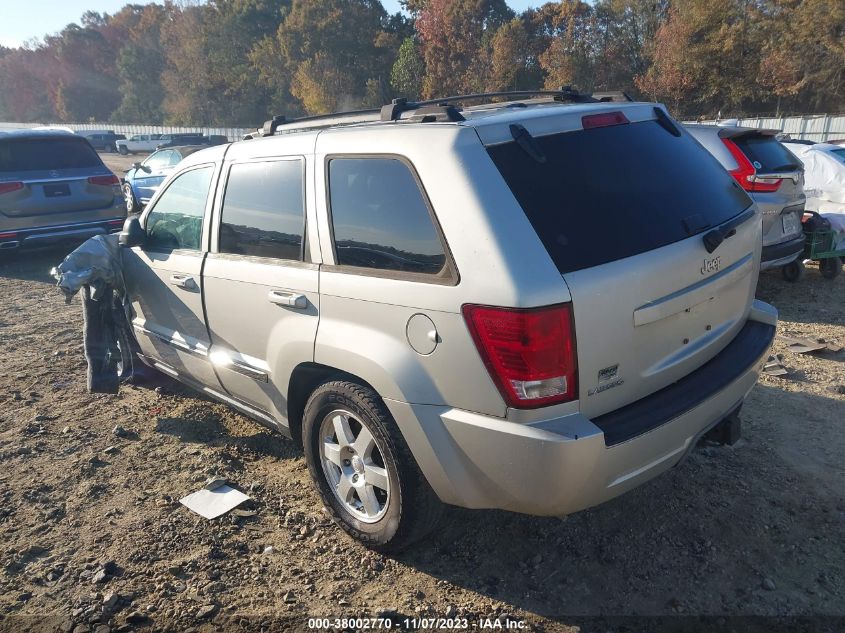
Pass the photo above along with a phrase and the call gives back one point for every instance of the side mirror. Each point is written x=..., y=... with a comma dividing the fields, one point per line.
x=133, y=233
x=143, y=168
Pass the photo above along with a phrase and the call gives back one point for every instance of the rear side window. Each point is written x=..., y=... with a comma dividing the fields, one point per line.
x=380, y=218
x=608, y=193
x=263, y=210
x=176, y=219
x=766, y=153
x=36, y=154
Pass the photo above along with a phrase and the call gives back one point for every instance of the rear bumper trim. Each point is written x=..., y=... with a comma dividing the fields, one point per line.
x=783, y=253
x=45, y=234
x=663, y=406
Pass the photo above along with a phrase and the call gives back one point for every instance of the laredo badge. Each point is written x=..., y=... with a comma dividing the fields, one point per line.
x=607, y=379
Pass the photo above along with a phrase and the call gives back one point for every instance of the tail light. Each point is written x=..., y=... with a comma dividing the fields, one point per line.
x=605, y=119
x=746, y=175
x=105, y=181
x=9, y=187
x=8, y=235
x=530, y=354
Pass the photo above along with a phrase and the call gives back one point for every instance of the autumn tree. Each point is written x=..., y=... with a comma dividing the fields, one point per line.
x=455, y=36
x=408, y=72
x=514, y=52
x=330, y=55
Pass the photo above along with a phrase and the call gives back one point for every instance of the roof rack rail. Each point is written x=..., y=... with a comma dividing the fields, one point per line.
x=441, y=109
x=394, y=110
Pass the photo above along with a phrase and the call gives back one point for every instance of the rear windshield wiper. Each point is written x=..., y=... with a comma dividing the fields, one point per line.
x=712, y=239
x=527, y=142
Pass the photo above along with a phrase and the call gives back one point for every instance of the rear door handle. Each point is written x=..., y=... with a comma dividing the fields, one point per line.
x=183, y=281
x=290, y=299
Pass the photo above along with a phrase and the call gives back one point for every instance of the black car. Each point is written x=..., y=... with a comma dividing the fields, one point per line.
x=103, y=141
x=193, y=139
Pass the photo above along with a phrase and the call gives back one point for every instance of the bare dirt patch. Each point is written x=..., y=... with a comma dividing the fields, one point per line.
x=91, y=531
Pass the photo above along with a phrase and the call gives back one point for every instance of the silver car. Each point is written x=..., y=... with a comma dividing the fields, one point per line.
x=54, y=187
x=774, y=178
x=532, y=306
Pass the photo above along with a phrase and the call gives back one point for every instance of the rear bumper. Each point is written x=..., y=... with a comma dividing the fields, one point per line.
x=558, y=466
x=781, y=254
x=47, y=235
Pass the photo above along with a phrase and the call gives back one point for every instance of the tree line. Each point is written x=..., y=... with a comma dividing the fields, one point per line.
x=236, y=62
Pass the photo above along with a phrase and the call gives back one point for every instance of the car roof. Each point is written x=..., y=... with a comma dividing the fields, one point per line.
x=185, y=150
x=731, y=131
x=198, y=154
x=30, y=133
x=491, y=121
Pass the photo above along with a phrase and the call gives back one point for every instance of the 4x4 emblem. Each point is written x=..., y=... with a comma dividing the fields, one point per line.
x=711, y=265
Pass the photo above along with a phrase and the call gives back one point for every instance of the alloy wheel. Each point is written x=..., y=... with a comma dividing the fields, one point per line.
x=354, y=466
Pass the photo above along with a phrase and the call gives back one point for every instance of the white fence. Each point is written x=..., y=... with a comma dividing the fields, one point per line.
x=814, y=127
x=232, y=133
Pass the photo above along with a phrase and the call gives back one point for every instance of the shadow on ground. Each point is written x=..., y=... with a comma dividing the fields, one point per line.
x=704, y=538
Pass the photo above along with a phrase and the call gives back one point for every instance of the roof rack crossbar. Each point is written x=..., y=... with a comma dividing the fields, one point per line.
x=440, y=109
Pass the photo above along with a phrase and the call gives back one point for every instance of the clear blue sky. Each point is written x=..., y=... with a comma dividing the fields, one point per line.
x=21, y=20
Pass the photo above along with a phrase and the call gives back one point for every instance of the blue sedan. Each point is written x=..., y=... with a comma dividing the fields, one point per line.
x=144, y=179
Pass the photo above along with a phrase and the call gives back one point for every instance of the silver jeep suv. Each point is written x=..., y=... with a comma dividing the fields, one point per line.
x=533, y=305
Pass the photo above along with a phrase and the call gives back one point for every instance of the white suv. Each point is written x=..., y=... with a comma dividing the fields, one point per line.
x=533, y=305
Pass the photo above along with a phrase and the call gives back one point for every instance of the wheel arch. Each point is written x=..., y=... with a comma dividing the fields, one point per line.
x=304, y=379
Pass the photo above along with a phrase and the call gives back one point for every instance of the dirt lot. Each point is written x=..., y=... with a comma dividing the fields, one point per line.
x=92, y=534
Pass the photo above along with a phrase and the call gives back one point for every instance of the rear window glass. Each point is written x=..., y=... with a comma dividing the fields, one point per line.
x=766, y=153
x=33, y=154
x=613, y=192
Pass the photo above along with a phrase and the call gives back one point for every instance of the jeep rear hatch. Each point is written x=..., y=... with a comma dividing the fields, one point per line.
x=622, y=205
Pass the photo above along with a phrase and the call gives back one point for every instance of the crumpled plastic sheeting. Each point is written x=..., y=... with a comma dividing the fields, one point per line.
x=95, y=263
x=824, y=176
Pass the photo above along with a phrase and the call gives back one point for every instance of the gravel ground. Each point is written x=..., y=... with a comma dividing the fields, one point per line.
x=92, y=537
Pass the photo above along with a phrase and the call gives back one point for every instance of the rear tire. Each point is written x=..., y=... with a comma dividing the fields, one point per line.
x=123, y=151
x=362, y=467
x=830, y=267
x=793, y=271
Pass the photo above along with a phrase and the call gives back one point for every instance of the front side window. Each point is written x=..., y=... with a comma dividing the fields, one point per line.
x=380, y=218
x=263, y=210
x=176, y=219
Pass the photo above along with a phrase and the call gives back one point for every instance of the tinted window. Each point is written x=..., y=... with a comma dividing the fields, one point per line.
x=176, y=219
x=33, y=154
x=612, y=192
x=766, y=153
x=380, y=217
x=263, y=212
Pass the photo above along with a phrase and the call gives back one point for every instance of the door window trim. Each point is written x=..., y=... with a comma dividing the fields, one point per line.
x=212, y=187
x=453, y=277
x=220, y=199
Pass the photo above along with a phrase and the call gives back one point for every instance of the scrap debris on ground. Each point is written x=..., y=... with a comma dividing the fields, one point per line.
x=93, y=536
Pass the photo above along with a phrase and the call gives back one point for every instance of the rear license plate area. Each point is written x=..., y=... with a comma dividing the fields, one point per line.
x=791, y=223
x=56, y=191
